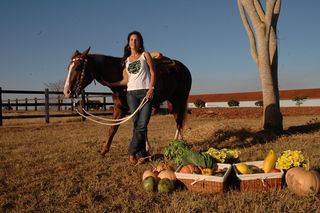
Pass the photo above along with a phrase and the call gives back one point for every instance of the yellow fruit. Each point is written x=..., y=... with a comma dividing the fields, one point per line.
x=243, y=168
x=269, y=161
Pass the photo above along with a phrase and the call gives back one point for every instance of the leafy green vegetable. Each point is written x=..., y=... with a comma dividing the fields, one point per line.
x=175, y=150
x=197, y=159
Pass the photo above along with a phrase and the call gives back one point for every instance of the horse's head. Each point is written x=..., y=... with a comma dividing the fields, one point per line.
x=78, y=74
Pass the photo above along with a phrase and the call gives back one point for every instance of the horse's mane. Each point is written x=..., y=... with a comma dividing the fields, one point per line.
x=108, y=56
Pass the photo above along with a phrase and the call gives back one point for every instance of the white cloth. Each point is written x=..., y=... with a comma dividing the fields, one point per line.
x=138, y=74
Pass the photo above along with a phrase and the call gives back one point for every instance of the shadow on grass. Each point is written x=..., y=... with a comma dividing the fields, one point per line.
x=242, y=138
x=157, y=156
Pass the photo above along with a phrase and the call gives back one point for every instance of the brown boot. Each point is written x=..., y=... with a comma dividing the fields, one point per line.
x=133, y=159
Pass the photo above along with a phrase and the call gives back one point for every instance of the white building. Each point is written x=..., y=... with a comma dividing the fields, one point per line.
x=248, y=99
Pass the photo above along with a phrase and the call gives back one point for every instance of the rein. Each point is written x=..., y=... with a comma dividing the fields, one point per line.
x=106, y=121
x=114, y=121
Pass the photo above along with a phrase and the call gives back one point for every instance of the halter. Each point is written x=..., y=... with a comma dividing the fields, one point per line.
x=82, y=75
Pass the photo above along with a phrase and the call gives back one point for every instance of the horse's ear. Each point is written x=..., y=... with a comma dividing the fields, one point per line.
x=75, y=54
x=86, y=52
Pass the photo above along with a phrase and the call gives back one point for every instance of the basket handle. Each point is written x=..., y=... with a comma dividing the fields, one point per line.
x=263, y=182
x=197, y=180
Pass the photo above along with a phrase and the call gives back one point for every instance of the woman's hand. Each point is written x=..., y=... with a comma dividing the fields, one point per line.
x=107, y=84
x=150, y=94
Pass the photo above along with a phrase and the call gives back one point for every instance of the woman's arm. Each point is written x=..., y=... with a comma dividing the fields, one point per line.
x=152, y=75
x=123, y=82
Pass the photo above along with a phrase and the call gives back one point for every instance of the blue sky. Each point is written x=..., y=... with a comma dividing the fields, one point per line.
x=39, y=37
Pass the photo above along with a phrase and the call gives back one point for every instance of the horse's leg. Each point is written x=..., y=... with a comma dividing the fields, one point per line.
x=178, y=111
x=117, y=113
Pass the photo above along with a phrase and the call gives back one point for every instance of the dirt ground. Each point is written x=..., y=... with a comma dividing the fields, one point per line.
x=250, y=112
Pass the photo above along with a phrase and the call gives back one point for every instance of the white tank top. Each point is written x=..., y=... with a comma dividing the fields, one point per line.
x=138, y=74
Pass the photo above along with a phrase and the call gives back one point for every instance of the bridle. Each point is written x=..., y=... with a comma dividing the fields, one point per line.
x=79, y=83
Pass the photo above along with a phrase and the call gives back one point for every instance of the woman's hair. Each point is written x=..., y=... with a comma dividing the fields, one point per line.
x=127, y=50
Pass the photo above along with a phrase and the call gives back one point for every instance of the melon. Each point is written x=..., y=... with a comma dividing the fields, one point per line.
x=149, y=173
x=149, y=183
x=165, y=185
x=169, y=174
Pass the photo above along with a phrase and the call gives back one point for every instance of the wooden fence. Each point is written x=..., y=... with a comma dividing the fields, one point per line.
x=46, y=102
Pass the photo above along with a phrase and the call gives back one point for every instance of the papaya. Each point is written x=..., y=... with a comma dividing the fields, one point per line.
x=269, y=162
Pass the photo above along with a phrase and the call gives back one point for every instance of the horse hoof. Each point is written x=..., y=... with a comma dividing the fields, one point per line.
x=103, y=152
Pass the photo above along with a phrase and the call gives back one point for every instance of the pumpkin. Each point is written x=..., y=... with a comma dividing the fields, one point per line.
x=167, y=174
x=302, y=181
x=149, y=173
x=189, y=169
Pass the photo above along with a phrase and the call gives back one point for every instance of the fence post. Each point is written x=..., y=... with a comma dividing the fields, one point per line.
x=35, y=104
x=46, y=96
x=26, y=104
x=59, y=106
x=72, y=101
x=0, y=106
x=83, y=103
x=17, y=104
x=87, y=102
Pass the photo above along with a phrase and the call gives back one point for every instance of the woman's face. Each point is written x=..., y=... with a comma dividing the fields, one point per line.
x=134, y=42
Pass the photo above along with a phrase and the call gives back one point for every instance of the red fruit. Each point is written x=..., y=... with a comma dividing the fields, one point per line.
x=275, y=170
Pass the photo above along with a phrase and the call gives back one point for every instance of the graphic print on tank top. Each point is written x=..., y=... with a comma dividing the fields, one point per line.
x=134, y=67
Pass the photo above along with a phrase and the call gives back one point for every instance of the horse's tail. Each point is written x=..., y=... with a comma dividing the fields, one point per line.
x=185, y=81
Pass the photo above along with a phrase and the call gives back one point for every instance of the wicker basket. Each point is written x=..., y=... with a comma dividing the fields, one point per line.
x=259, y=181
x=204, y=183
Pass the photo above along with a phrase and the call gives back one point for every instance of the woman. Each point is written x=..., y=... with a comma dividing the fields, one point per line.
x=138, y=76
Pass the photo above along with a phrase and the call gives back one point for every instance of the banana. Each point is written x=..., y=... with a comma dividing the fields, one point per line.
x=269, y=161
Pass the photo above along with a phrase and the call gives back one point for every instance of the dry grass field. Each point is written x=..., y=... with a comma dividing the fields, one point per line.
x=56, y=167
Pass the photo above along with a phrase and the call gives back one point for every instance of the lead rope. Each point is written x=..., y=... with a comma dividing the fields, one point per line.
x=118, y=121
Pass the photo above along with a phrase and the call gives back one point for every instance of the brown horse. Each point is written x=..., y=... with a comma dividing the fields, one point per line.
x=173, y=84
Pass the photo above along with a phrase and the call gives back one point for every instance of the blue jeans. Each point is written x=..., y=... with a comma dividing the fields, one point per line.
x=140, y=122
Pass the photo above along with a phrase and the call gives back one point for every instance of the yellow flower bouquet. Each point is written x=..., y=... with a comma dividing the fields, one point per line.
x=224, y=155
x=290, y=158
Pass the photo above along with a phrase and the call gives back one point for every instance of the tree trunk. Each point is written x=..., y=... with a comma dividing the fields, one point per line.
x=263, y=43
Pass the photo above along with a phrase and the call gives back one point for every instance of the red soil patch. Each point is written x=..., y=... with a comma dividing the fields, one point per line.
x=251, y=112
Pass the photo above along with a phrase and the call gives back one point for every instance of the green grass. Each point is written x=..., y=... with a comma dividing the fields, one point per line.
x=56, y=167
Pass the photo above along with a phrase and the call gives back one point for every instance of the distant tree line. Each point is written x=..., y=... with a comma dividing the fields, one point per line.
x=199, y=103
